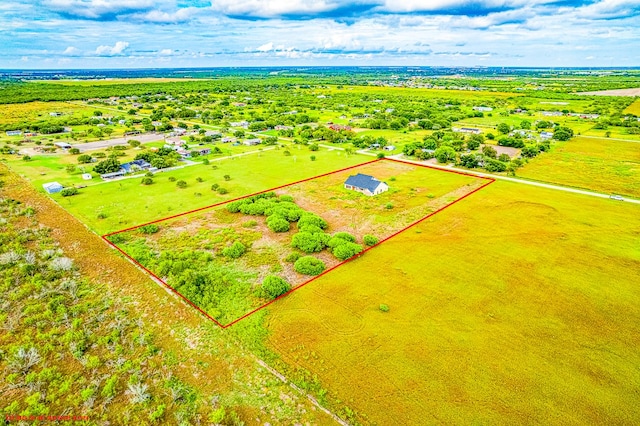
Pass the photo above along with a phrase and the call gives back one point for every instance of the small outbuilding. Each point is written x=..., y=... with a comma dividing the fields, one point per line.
x=52, y=187
x=368, y=185
x=62, y=145
x=87, y=176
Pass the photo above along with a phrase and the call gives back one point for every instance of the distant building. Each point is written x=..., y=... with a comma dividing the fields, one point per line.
x=228, y=139
x=55, y=114
x=135, y=165
x=389, y=148
x=87, y=176
x=552, y=113
x=338, y=127
x=113, y=175
x=52, y=187
x=366, y=184
x=254, y=141
x=14, y=132
x=482, y=109
x=243, y=124
x=62, y=145
x=470, y=130
x=546, y=135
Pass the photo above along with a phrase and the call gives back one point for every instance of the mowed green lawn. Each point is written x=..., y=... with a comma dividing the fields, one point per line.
x=599, y=164
x=518, y=305
x=127, y=202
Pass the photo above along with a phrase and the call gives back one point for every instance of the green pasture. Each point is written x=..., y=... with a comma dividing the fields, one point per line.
x=126, y=202
x=599, y=164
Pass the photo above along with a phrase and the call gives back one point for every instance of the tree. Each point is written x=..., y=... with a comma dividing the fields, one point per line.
x=149, y=229
x=110, y=165
x=314, y=147
x=525, y=124
x=181, y=184
x=273, y=287
x=134, y=143
x=474, y=142
x=503, y=128
x=68, y=192
x=309, y=265
x=71, y=168
x=530, y=151
x=227, y=177
x=489, y=151
x=445, y=154
x=504, y=158
x=147, y=181
x=469, y=161
x=562, y=133
x=74, y=151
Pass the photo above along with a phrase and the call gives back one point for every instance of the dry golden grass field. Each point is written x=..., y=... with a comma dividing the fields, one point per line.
x=519, y=305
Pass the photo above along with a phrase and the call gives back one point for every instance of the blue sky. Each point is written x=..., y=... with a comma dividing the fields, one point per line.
x=38, y=34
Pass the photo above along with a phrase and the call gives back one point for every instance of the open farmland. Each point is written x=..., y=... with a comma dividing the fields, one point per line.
x=599, y=164
x=517, y=306
x=220, y=258
x=247, y=175
x=634, y=108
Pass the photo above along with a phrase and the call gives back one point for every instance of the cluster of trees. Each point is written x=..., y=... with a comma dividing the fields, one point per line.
x=162, y=158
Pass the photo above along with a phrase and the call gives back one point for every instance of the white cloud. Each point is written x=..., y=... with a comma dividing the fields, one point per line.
x=265, y=47
x=166, y=52
x=161, y=17
x=116, y=49
x=71, y=51
x=274, y=8
x=94, y=9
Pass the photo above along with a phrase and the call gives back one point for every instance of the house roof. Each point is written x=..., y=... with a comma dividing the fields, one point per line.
x=363, y=181
x=51, y=185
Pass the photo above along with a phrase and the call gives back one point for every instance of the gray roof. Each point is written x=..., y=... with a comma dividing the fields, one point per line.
x=363, y=181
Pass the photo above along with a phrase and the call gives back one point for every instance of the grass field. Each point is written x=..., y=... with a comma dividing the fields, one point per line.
x=37, y=111
x=599, y=164
x=634, y=108
x=519, y=305
x=127, y=202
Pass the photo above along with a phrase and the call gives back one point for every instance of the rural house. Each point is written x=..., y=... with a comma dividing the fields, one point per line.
x=366, y=184
x=52, y=187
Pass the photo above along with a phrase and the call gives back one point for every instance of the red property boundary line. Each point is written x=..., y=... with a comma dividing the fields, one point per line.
x=223, y=326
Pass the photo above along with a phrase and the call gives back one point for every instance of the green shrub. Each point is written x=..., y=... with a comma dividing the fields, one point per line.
x=234, y=251
x=370, y=240
x=102, y=215
x=67, y=192
x=384, y=308
x=147, y=181
x=250, y=224
x=312, y=219
x=74, y=151
x=273, y=287
x=346, y=250
x=181, y=184
x=313, y=158
x=223, y=191
x=172, y=178
x=345, y=236
x=215, y=187
x=309, y=265
x=277, y=223
x=199, y=179
x=149, y=229
x=292, y=257
x=287, y=198
x=310, y=242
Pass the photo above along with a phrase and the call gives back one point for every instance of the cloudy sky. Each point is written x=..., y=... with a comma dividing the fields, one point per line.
x=209, y=33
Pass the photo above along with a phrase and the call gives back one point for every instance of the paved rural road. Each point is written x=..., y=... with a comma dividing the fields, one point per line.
x=499, y=177
x=148, y=137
